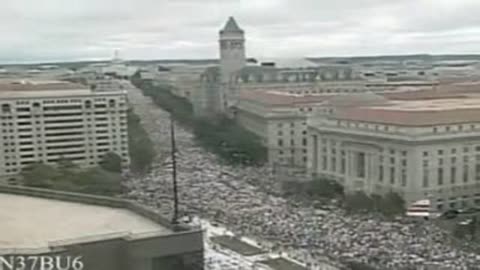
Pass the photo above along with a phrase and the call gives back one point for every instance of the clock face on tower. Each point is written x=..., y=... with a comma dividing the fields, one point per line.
x=231, y=45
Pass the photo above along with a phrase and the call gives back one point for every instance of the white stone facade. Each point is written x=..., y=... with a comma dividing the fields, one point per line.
x=438, y=162
x=283, y=129
x=49, y=122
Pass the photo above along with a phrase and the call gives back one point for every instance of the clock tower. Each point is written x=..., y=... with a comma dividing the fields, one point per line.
x=232, y=50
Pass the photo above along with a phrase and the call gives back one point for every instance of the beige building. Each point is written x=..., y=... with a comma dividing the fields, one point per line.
x=280, y=119
x=221, y=85
x=46, y=121
x=427, y=148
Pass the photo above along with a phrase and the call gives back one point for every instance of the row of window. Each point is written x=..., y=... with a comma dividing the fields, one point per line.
x=389, y=128
x=392, y=175
x=440, y=152
x=452, y=176
x=281, y=143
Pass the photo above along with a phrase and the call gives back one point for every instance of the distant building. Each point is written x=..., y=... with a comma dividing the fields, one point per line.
x=221, y=85
x=280, y=120
x=46, y=121
x=426, y=148
x=97, y=232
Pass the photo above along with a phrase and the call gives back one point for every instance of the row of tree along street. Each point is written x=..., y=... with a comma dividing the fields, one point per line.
x=104, y=179
x=65, y=175
x=321, y=189
x=223, y=137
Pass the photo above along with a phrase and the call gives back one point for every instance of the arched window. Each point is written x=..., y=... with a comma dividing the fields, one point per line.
x=6, y=108
x=88, y=104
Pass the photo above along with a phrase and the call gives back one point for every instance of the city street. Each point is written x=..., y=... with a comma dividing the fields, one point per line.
x=232, y=196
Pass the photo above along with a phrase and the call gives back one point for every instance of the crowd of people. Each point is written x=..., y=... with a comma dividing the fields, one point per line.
x=236, y=197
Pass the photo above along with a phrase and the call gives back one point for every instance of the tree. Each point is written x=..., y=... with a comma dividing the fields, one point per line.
x=65, y=164
x=325, y=188
x=358, y=201
x=141, y=149
x=98, y=181
x=392, y=204
x=111, y=162
x=39, y=175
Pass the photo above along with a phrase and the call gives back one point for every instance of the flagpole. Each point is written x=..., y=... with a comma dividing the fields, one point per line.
x=174, y=171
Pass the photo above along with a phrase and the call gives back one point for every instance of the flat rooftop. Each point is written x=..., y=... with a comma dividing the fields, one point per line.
x=279, y=98
x=417, y=112
x=32, y=222
x=36, y=88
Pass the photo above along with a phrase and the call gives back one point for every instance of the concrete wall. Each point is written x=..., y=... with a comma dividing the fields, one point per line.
x=181, y=249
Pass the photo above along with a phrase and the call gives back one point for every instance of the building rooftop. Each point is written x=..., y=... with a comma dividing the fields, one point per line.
x=28, y=88
x=274, y=98
x=416, y=112
x=32, y=222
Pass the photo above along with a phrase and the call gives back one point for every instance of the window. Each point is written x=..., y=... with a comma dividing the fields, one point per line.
x=440, y=176
x=440, y=152
x=280, y=133
x=6, y=108
x=453, y=175
x=425, y=154
x=380, y=174
x=342, y=165
x=477, y=172
x=304, y=141
x=465, y=173
x=392, y=175
x=454, y=150
x=361, y=165
x=280, y=142
x=404, y=178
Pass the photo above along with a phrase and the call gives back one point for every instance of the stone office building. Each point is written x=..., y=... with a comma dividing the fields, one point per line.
x=418, y=148
x=45, y=121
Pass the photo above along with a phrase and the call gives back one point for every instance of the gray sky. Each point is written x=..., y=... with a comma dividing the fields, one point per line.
x=46, y=30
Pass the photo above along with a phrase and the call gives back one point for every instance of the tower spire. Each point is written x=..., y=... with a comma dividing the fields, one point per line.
x=231, y=26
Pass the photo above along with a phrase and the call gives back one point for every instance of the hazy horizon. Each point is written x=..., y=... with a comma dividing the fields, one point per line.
x=57, y=31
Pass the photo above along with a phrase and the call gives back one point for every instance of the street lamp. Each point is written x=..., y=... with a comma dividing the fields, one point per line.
x=174, y=171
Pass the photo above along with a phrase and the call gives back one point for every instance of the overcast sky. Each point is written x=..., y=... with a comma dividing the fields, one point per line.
x=47, y=30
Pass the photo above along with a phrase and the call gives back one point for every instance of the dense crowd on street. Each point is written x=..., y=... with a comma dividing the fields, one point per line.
x=235, y=197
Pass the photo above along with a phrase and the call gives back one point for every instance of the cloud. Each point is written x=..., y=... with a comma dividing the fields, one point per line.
x=50, y=30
